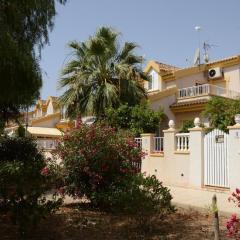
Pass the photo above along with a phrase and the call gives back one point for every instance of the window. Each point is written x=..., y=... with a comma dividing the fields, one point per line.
x=150, y=83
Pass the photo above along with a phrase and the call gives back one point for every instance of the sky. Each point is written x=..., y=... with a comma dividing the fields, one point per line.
x=163, y=29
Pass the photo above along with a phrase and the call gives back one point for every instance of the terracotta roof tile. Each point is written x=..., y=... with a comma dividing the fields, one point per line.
x=189, y=103
x=166, y=67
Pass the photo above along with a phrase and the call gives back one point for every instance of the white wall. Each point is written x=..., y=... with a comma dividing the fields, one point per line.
x=50, y=108
x=155, y=81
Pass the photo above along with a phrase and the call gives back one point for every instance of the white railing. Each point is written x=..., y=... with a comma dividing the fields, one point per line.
x=158, y=144
x=139, y=142
x=207, y=89
x=182, y=141
x=48, y=144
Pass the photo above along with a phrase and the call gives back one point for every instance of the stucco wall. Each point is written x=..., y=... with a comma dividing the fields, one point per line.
x=47, y=123
x=164, y=103
x=170, y=168
x=232, y=75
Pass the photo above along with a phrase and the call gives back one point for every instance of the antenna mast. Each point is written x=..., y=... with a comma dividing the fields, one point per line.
x=197, y=58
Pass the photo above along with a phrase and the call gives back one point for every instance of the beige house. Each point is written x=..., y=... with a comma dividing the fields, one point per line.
x=184, y=92
x=46, y=122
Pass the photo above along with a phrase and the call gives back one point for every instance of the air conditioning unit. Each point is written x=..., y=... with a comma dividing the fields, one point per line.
x=214, y=73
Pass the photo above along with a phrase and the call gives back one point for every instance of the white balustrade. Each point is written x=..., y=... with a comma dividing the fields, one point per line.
x=158, y=144
x=182, y=141
x=139, y=142
x=46, y=144
x=207, y=89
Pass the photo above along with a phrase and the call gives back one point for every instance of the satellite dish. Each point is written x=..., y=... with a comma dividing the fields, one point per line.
x=196, y=60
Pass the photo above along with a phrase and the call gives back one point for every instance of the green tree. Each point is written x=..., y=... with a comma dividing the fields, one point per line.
x=138, y=119
x=102, y=74
x=221, y=111
x=24, y=28
x=186, y=125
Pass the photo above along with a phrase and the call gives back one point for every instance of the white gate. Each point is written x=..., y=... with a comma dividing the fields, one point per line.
x=216, y=162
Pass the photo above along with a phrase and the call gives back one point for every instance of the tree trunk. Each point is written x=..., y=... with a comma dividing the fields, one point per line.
x=215, y=218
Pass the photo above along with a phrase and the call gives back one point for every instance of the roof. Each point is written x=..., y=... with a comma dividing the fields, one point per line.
x=44, y=132
x=189, y=103
x=187, y=71
x=160, y=67
x=166, y=67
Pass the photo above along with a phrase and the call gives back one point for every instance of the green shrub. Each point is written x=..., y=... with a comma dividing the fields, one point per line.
x=221, y=111
x=25, y=176
x=96, y=157
x=139, y=119
x=21, y=131
x=144, y=199
x=186, y=125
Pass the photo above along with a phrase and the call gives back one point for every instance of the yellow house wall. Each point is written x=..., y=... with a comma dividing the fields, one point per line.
x=232, y=76
x=47, y=123
x=164, y=103
x=183, y=116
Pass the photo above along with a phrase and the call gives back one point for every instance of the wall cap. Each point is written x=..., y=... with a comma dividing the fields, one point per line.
x=147, y=134
x=236, y=126
x=170, y=130
x=196, y=129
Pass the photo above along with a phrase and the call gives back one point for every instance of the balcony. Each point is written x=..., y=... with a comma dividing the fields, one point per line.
x=206, y=90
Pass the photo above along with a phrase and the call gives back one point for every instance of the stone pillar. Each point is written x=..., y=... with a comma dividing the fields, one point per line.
x=196, y=148
x=234, y=156
x=147, y=142
x=147, y=147
x=169, y=144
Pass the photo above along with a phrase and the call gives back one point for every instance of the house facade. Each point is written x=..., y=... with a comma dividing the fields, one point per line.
x=183, y=92
x=46, y=122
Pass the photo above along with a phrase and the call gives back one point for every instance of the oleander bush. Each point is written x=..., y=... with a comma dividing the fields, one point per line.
x=25, y=179
x=233, y=224
x=104, y=165
x=96, y=157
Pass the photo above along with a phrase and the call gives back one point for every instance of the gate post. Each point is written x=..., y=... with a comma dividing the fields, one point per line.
x=234, y=156
x=196, y=147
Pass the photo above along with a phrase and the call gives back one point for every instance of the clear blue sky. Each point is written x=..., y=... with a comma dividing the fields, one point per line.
x=164, y=30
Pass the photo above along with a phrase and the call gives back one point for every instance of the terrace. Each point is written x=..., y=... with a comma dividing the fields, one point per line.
x=206, y=90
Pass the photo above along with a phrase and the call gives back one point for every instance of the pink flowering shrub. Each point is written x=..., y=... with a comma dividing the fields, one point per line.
x=233, y=224
x=25, y=177
x=95, y=158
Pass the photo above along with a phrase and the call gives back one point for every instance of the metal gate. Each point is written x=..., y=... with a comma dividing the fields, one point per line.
x=216, y=162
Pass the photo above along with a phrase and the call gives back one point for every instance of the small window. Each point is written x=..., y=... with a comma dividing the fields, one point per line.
x=150, y=83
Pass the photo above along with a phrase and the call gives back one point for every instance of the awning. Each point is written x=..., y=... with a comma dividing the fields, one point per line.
x=44, y=132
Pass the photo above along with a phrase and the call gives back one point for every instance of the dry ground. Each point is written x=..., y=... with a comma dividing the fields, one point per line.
x=78, y=222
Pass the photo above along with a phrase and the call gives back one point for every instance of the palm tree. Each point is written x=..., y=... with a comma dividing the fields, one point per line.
x=101, y=75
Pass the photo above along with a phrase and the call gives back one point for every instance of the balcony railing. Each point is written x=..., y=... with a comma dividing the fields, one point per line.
x=46, y=144
x=158, y=144
x=207, y=89
x=182, y=141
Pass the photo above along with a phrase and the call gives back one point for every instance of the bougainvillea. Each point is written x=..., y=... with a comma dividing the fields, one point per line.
x=233, y=224
x=95, y=157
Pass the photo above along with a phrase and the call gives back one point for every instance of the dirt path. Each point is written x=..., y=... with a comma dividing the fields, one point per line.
x=77, y=223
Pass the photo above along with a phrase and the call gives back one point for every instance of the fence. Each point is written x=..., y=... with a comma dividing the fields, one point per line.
x=182, y=141
x=207, y=89
x=48, y=144
x=158, y=144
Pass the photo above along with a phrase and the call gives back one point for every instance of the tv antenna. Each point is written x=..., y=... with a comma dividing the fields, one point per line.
x=197, y=56
x=206, y=48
